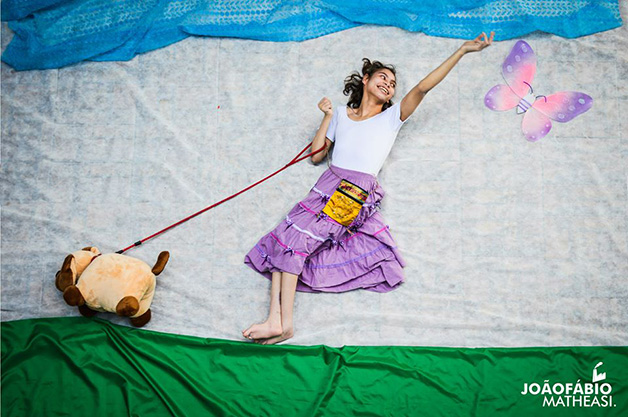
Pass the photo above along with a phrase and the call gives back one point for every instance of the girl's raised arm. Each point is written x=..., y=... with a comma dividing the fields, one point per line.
x=320, y=138
x=415, y=96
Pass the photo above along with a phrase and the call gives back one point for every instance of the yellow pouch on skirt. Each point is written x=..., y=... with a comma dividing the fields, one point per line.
x=345, y=203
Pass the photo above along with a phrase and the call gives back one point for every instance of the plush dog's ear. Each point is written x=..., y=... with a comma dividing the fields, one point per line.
x=67, y=263
x=92, y=249
x=65, y=277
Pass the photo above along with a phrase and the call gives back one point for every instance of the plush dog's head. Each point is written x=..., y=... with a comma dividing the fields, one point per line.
x=73, y=266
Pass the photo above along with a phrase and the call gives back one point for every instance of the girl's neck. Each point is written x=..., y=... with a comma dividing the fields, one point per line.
x=368, y=107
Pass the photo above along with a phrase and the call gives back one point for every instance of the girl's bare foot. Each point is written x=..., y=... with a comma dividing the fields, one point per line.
x=263, y=331
x=287, y=334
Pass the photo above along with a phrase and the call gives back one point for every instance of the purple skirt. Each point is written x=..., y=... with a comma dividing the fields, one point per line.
x=327, y=256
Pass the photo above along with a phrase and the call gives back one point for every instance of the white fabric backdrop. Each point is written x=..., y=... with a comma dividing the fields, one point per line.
x=508, y=243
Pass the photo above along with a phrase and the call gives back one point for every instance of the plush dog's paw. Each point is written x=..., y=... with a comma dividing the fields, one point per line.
x=141, y=320
x=128, y=306
x=86, y=311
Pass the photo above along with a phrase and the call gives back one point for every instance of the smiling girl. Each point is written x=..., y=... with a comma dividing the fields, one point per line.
x=335, y=240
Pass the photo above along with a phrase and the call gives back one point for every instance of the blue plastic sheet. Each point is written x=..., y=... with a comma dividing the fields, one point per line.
x=56, y=33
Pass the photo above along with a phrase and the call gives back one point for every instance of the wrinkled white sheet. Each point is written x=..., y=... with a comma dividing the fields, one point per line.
x=508, y=243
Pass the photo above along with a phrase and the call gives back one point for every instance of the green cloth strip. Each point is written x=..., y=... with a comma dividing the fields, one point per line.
x=77, y=366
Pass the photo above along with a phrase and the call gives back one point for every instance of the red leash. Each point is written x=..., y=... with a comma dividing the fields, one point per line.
x=296, y=159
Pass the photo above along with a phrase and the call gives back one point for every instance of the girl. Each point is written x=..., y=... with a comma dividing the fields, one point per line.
x=335, y=240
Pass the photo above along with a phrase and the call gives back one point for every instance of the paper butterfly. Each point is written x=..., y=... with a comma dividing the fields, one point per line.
x=518, y=70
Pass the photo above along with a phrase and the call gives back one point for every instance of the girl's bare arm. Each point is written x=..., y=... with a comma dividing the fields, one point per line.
x=411, y=101
x=320, y=139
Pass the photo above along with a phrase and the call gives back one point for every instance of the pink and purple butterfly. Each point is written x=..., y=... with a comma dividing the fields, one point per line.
x=518, y=70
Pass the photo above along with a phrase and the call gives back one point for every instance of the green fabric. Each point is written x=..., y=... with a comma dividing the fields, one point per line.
x=76, y=366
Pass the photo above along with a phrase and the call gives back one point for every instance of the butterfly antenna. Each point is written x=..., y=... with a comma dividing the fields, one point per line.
x=531, y=90
x=543, y=97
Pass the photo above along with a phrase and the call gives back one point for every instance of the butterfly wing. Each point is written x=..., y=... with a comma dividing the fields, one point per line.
x=535, y=125
x=500, y=98
x=563, y=106
x=519, y=68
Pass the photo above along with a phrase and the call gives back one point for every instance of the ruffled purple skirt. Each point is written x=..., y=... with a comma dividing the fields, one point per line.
x=327, y=256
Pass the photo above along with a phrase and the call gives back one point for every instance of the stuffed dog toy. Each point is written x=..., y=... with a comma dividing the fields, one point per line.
x=112, y=282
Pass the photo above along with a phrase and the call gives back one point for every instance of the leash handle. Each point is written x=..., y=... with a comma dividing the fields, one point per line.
x=294, y=160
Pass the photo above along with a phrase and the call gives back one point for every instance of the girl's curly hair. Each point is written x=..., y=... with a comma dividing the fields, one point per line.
x=353, y=83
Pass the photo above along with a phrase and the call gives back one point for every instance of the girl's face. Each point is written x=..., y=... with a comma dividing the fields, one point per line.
x=381, y=84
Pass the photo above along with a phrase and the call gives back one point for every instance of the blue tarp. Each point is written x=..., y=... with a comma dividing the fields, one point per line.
x=56, y=33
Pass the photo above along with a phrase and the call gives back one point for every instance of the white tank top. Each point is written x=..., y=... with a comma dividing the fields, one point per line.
x=363, y=146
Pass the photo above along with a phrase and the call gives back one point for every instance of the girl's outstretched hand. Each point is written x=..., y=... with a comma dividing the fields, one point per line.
x=477, y=44
x=325, y=106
